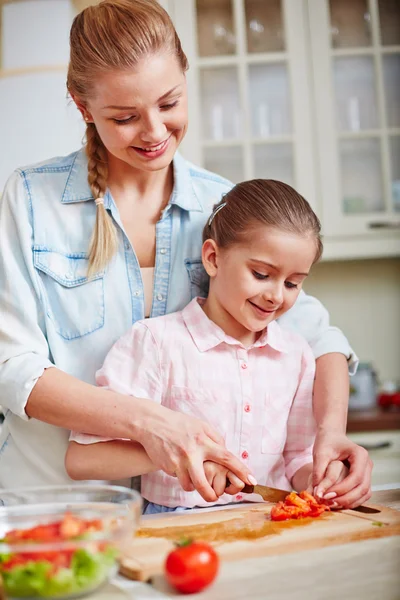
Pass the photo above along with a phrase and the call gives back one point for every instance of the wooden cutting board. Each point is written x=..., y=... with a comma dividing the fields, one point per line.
x=247, y=531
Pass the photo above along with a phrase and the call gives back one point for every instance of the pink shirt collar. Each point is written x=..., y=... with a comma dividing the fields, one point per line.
x=206, y=334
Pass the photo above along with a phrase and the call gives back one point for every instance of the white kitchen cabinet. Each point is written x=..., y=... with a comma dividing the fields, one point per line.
x=306, y=92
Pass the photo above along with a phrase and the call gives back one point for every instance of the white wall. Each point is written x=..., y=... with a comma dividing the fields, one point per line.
x=363, y=298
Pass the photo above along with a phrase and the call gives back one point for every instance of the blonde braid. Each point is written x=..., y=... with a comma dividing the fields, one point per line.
x=103, y=243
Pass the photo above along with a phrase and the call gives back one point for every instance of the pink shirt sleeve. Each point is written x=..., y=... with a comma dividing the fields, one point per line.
x=301, y=428
x=132, y=367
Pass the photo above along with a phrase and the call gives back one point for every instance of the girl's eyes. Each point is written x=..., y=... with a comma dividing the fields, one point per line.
x=288, y=284
x=164, y=107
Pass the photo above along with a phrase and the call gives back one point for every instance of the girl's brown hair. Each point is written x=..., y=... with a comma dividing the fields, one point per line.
x=113, y=35
x=262, y=202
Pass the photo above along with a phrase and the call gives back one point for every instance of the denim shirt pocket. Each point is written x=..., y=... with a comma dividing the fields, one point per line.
x=198, y=278
x=73, y=302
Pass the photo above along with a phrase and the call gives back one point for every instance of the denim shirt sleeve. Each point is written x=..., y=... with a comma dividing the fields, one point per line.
x=24, y=352
x=311, y=319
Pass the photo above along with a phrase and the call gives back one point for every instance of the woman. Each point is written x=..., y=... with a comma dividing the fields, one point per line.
x=66, y=296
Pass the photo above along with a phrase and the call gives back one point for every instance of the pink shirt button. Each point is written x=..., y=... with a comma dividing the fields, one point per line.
x=245, y=454
x=239, y=497
x=244, y=366
x=247, y=408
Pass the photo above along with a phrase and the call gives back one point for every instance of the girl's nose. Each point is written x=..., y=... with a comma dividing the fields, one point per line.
x=274, y=294
x=153, y=130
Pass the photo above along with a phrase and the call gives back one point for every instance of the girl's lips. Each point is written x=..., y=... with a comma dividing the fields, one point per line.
x=261, y=311
x=158, y=150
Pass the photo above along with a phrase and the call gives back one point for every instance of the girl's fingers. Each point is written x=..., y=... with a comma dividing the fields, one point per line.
x=219, y=482
x=235, y=484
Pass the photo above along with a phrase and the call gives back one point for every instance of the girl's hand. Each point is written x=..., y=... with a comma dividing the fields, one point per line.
x=335, y=473
x=217, y=477
x=355, y=488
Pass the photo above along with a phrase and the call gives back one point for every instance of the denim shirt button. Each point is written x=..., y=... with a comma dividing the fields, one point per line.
x=137, y=293
x=159, y=297
x=163, y=251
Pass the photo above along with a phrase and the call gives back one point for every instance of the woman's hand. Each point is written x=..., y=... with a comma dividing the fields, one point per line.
x=218, y=476
x=180, y=444
x=355, y=488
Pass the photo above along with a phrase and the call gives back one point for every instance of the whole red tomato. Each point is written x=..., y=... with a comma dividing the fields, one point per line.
x=191, y=567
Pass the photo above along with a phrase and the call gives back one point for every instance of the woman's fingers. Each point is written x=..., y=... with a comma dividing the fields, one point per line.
x=223, y=457
x=195, y=471
x=334, y=473
x=359, y=477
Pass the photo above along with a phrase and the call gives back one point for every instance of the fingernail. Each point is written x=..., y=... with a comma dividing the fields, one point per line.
x=252, y=480
x=330, y=495
x=318, y=493
x=334, y=505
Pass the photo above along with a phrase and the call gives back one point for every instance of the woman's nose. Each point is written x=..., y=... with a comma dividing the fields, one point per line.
x=153, y=130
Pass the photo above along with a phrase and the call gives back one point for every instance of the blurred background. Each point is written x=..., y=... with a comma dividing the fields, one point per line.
x=305, y=91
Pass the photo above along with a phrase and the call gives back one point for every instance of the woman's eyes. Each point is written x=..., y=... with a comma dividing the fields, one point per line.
x=288, y=284
x=164, y=107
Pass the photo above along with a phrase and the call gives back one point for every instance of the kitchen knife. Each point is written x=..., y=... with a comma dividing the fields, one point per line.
x=267, y=493
x=276, y=495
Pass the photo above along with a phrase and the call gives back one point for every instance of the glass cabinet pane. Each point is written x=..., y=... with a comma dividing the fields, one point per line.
x=40, y=25
x=215, y=27
x=264, y=26
x=389, y=17
x=226, y=161
x=274, y=161
x=220, y=103
x=391, y=76
x=361, y=174
x=350, y=23
x=355, y=91
x=395, y=168
x=269, y=95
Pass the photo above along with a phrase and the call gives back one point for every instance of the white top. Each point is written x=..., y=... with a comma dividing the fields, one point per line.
x=148, y=282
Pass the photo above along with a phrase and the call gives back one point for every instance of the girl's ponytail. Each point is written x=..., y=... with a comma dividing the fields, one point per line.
x=103, y=243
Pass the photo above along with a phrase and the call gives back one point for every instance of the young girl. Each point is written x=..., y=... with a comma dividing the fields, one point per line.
x=225, y=359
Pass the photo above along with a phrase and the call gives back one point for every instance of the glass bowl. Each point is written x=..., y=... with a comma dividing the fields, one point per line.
x=64, y=541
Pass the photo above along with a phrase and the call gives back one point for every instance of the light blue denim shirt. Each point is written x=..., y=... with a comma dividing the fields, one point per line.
x=52, y=314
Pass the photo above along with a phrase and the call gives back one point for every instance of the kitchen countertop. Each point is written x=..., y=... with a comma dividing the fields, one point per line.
x=365, y=570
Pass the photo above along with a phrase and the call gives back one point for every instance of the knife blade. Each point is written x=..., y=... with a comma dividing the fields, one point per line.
x=267, y=493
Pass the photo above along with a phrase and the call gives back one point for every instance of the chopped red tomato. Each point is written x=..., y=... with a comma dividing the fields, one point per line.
x=297, y=506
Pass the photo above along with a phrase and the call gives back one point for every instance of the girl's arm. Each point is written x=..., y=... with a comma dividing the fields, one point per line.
x=117, y=459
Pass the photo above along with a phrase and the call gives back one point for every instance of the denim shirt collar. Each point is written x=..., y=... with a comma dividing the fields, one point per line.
x=183, y=194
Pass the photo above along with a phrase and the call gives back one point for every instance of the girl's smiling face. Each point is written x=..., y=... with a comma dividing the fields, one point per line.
x=141, y=115
x=255, y=282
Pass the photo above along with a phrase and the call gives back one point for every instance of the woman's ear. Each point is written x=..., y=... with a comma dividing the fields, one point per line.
x=82, y=109
x=209, y=255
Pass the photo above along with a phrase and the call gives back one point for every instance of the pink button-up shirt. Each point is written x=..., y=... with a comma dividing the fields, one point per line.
x=259, y=398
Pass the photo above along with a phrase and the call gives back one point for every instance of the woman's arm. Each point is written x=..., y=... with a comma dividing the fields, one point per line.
x=117, y=459
x=331, y=393
x=175, y=443
x=335, y=359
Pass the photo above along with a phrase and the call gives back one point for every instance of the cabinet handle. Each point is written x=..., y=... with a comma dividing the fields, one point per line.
x=384, y=225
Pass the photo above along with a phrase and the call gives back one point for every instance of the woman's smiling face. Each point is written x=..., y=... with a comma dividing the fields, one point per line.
x=141, y=115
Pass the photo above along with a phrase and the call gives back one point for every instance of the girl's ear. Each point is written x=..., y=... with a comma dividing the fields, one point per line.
x=82, y=109
x=209, y=255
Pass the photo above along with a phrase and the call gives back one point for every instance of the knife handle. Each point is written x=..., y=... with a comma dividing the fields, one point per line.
x=248, y=489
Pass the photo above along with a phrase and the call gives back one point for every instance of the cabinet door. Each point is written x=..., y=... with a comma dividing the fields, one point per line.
x=248, y=89
x=355, y=48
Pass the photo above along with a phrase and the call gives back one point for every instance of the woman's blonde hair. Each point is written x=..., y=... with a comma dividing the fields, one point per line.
x=112, y=35
x=262, y=202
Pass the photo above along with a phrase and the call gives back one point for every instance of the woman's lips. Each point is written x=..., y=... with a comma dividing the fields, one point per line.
x=153, y=151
